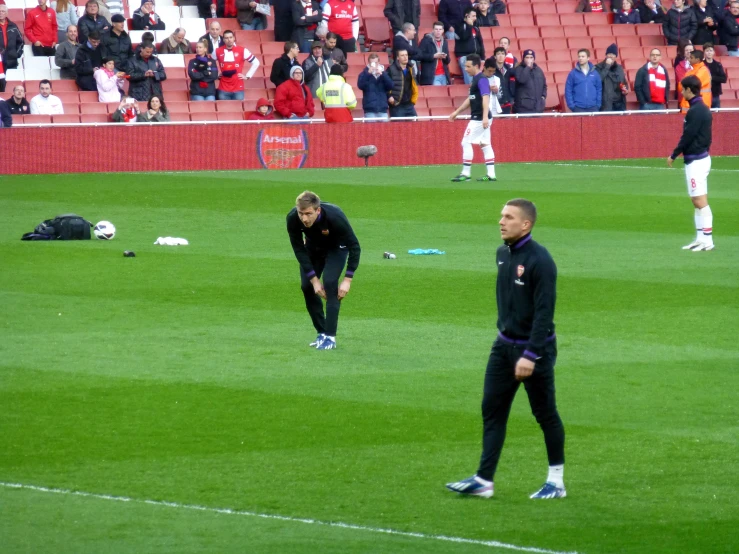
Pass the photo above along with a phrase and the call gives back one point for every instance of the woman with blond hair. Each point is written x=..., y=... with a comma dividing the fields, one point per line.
x=66, y=15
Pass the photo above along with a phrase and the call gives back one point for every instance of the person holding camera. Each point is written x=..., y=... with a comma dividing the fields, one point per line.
x=127, y=112
x=376, y=85
x=434, y=56
x=109, y=81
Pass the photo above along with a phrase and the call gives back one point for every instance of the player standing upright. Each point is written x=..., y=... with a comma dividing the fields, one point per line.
x=694, y=146
x=478, y=129
x=329, y=241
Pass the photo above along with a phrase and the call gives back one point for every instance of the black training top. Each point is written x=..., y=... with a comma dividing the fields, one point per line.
x=526, y=293
x=479, y=88
x=696, y=139
x=330, y=231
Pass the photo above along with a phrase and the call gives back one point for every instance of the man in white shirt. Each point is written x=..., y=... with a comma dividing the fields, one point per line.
x=46, y=103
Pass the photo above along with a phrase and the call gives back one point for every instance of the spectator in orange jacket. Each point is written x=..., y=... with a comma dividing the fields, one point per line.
x=700, y=70
x=293, y=99
x=42, y=29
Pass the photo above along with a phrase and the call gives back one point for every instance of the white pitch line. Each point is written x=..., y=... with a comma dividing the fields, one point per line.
x=605, y=166
x=229, y=511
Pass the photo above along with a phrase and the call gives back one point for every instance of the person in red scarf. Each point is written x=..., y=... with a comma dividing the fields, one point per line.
x=627, y=14
x=145, y=19
x=127, y=111
x=652, y=83
x=588, y=6
x=293, y=99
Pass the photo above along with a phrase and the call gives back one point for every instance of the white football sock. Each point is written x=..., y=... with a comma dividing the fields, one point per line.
x=556, y=475
x=467, y=155
x=330, y=337
x=487, y=151
x=698, y=224
x=707, y=217
x=483, y=481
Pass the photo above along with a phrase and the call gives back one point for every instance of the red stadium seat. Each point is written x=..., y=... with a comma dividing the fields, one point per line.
x=519, y=8
x=553, y=44
x=202, y=107
x=547, y=20
x=66, y=118
x=558, y=55
x=552, y=32
x=555, y=67
x=421, y=112
x=377, y=33
x=544, y=8
x=632, y=53
x=243, y=38
x=572, y=31
x=605, y=42
x=370, y=11
x=600, y=31
x=227, y=24
x=36, y=119
x=273, y=48
x=535, y=44
x=434, y=92
x=94, y=118
x=177, y=107
x=210, y=116
x=67, y=97
x=175, y=85
x=527, y=32
x=177, y=116
x=521, y=20
x=623, y=30
x=567, y=6
x=552, y=101
x=560, y=77
x=504, y=20
x=229, y=106
x=602, y=18
x=656, y=40
x=95, y=108
x=439, y=102
x=647, y=29
x=580, y=42
x=627, y=41
x=444, y=111
x=251, y=95
x=177, y=96
x=571, y=19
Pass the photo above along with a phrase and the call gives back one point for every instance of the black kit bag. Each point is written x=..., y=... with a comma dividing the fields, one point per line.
x=62, y=227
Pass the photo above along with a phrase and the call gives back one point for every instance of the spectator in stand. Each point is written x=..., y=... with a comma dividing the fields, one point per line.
x=3, y=80
x=469, y=42
x=283, y=19
x=42, y=30
x=109, y=82
x=89, y=57
x=66, y=15
x=145, y=19
x=103, y=10
x=510, y=59
x=17, y=104
x=203, y=73
x=728, y=29
x=376, y=85
x=264, y=111
x=306, y=17
x=498, y=7
x=651, y=12
x=434, y=57
x=652, y=83
x=505, y=74
x=249, y=18
x=485, y=16
x=213, y=38
x=399, y=12
x=405, y=40
x=705, y=16
x=282, y=66
x=114, y=7
x=128, y=111
x=316, y=68
x=156, y=111
x=293, y=99
x=231, y=59
x=613, y=79
x=404, y=93
x=91, y=21
x=583, y=88
x=337, y=97
x=679, y=23
x=66, y=52
x=6, y=118
x=588, y=6
x=699, y=70
x=116, y=44
x=176, y=43
x=148, y=36
x=330, y=50
x=45, y=103
x=11, y=41
x=342, y=18
x=451, y=14
x=627, y=14
x=207, y=8
x=682, y=63
x=147, y=74
x=530, y=85
x=718, y=74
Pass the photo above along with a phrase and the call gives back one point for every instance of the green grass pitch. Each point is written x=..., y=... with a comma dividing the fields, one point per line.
x=183, y=375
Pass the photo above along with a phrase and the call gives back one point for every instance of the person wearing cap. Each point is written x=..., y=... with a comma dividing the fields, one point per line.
x=144, y=19
x=530, y=85
x=316, y=67
x=283, y=65
x=117, y=44
x=306, y=17
x=338, y=98
x=583, y=88
x=613, y=78
x=91, y=21
x=293, y=99
x=264, y=111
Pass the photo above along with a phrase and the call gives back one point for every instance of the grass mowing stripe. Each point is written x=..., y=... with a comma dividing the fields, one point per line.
x=342, y=525
x=563, y=164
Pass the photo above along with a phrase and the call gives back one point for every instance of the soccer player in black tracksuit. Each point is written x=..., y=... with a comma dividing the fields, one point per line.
x=329, y=241
x=525, y=350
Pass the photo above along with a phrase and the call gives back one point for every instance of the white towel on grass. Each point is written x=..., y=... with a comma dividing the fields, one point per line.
x=171, y=241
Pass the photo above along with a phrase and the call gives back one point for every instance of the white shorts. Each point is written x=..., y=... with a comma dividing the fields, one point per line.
x=696, y=176
x=476, y=134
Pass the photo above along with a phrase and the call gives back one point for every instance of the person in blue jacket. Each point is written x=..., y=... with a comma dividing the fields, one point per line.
x=584, y=88
x=376, y=85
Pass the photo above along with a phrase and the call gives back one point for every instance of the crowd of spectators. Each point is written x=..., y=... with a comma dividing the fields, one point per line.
x=97, y=52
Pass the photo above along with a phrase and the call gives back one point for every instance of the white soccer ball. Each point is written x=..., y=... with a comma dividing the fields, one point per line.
x=104, y=230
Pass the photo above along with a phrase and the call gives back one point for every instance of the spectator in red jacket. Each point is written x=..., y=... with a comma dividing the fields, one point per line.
x=293, y=99
x=263, y=113
x=42, y=29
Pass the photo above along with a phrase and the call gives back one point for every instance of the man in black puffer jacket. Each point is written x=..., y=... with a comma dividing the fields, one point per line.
x=728, y=28
x=680, y=22
x=530, y=85
x=89, y=57
x=147, y=74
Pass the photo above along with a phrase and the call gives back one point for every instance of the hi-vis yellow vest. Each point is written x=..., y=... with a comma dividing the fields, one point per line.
x=335, y=93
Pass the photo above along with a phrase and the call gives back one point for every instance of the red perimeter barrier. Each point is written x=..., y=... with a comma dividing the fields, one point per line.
x=161, y=147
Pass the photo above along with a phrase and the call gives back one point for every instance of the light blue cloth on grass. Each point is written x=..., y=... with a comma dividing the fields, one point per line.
x=423, y=252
